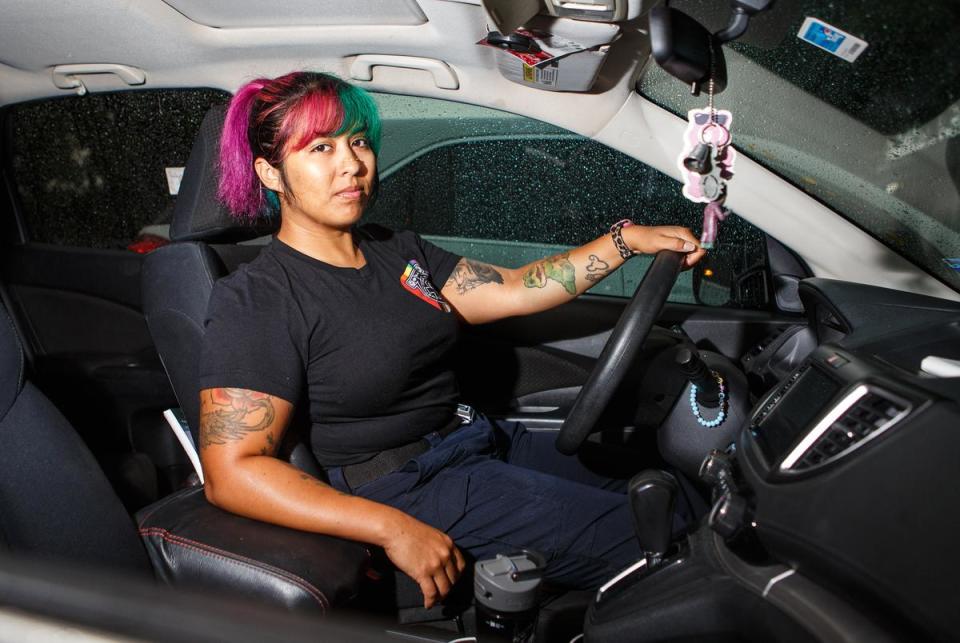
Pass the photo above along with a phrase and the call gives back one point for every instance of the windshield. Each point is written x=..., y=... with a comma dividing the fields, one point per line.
x=876, y=139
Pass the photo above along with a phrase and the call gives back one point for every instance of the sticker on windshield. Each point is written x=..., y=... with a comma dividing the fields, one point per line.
x=953, y=263
x=829, y=38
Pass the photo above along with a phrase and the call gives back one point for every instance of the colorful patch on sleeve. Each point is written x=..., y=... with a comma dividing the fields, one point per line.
x=417, y=280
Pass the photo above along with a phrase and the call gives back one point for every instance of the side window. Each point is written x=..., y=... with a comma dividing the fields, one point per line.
x=102, y=170
x=508, y=190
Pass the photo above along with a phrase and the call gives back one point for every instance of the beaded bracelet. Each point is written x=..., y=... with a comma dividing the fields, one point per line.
x=695, y=406
x=616, y=230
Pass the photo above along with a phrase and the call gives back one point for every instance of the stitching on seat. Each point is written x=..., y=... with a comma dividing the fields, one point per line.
x=160, y=505
x=16, y=339
x=242, y=560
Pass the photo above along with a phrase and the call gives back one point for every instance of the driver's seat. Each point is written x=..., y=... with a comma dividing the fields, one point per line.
x=176, y=284
x=185, y=534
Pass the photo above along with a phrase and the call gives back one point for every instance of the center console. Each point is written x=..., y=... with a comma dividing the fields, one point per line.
x=816, y=530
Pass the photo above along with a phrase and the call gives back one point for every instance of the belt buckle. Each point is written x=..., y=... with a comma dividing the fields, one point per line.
x=466, y=413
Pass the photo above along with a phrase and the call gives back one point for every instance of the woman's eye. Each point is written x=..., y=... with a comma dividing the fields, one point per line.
x=361, y=142
x=321, y=147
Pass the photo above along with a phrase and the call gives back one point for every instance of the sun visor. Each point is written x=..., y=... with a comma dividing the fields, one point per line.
x=553, y=54
x=239, y=14
x=509, y=15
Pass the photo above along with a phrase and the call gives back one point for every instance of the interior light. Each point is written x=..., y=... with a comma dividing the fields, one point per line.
x=708, y=272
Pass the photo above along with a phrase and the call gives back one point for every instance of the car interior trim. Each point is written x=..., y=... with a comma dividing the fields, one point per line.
x=637, y=566
x=776, y=579
x=842, y=407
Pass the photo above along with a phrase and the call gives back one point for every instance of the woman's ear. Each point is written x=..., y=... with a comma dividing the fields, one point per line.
x=269, y=175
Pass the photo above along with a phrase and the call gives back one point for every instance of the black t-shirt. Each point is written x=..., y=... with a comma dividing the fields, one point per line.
x=369, y=349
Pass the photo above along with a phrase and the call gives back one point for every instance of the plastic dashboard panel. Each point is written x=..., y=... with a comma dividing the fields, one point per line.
x=882, y=521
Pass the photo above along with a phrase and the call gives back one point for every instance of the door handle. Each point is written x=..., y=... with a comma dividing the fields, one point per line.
x=443, y=76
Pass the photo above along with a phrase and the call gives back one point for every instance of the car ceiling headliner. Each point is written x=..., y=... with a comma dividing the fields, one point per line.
x=175, y=51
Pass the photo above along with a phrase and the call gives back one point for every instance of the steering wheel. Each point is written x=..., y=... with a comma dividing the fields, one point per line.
x=620, y=350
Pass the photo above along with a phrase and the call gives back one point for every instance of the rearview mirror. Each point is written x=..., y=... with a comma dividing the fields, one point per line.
x=686, y=50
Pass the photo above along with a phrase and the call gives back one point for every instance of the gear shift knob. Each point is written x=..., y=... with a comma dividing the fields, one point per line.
x=652, y=497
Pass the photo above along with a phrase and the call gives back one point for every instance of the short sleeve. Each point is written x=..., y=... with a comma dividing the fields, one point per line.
x=440, y=262
x=249, y=341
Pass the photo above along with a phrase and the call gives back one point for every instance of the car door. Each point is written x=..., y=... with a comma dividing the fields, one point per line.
x=91, y=183
x=508, y=190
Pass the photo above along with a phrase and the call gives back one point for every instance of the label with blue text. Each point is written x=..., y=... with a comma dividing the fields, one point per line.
x=829, y=38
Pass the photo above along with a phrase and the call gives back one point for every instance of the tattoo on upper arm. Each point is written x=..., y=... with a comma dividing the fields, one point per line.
x=235, y=413
x=597, y=269
x=469, y=274
x=557, y=268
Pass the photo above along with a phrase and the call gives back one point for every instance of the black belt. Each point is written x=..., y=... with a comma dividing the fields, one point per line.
x=392, y=459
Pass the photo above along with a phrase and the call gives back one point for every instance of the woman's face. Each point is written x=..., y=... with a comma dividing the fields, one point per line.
x=331, y=179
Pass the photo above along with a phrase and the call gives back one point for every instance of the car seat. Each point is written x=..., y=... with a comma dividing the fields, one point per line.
x=56, y=503
x=177, y=280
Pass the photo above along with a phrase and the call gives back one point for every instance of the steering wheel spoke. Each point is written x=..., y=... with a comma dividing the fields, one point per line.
x=620, y=351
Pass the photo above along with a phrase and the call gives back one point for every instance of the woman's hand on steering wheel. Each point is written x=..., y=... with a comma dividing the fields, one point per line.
x=652, y=239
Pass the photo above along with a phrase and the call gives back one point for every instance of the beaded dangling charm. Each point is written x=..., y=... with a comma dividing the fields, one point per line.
x=695, y=405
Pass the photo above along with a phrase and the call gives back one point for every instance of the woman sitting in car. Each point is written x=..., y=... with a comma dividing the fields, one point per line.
x=353, y=326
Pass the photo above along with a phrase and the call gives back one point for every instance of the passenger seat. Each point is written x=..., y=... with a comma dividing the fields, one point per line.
x=55, y=501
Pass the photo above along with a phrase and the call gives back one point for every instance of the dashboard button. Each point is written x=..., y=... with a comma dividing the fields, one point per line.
x=729, y=515
x=836, y=360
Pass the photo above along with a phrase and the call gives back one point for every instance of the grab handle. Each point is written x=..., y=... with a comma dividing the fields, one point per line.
x=69, y=76
x=443, y=76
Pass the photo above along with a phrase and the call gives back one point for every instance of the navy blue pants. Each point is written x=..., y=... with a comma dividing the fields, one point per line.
x=495, y=487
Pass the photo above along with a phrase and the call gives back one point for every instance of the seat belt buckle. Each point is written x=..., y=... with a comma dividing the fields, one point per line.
x=466, y=413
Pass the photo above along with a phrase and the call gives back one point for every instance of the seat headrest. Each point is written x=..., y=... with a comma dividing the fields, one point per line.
x=198, y=215
x=11, y=362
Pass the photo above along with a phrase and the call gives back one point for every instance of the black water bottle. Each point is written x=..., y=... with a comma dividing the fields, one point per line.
x=506, y=591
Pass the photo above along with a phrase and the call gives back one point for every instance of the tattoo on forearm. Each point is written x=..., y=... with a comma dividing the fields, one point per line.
x=236, y=413
x=557, y=268
x=469, y=274
x=597, y=269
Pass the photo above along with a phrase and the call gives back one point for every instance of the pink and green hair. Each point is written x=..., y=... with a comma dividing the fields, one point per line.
x=272, y=118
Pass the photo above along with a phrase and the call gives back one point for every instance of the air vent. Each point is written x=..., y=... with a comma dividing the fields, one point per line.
x=752, y=290
x=861, y=416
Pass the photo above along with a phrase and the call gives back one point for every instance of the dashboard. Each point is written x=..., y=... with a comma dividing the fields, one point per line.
x=849, y=467
x=837, y=507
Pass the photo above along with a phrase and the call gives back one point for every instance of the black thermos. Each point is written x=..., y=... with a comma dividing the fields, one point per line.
x=506, y=591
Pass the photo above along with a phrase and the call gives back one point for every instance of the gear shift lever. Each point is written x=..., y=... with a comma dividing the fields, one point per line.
x=652, y=496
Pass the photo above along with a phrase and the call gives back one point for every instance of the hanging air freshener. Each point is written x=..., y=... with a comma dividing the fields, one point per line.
x=706, y=163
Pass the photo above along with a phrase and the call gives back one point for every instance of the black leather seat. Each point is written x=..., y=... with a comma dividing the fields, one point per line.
x=177, y=280
x=56, y=503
